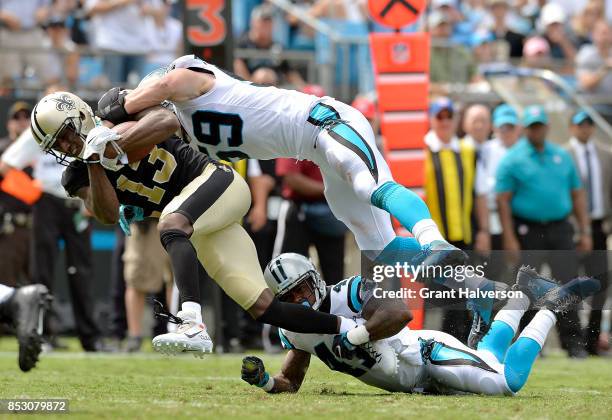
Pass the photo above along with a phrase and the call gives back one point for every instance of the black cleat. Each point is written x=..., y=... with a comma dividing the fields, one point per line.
x=27, y=307
x=563, y=298
x=478, y=330
x=533, y=284
x=441, y=253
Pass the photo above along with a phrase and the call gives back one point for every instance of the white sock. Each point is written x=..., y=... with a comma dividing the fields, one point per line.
x=513, y=311
x=426, y=231
x=5, y=293
x=540, y=326
x=193, y=307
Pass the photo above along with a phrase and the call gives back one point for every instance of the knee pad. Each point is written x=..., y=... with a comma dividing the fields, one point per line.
x=167, y=236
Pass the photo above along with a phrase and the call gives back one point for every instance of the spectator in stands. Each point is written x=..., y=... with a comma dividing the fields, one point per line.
x=501, y=31
x=461, y=28
x=477, y=125
x=536, y=53
x=538, y=188
x=259, y=37
x=553, y=22
x=265, y=76
x=449, y=184
x=349, y=10
x=300, y=36
x=17, y=121
x=166, y=35
x=489, y=237
x=19, y=29
x=486, y=53
x=528, y=10
x=15, y=213
x=571, y=7
x=583, y=23
x=119, y=30
x=476, y=13
x=594, y=67
x=449, y=62
x=594, y=162
x=63, y=59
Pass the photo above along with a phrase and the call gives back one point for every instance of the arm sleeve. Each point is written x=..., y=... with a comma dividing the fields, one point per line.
x=75, y=177
x=504, y=179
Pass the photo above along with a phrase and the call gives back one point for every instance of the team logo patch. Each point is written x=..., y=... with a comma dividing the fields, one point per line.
x=64, y=103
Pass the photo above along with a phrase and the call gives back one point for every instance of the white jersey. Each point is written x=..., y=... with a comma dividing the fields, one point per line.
x=396, y=363
x=237, y=119
x=393, y=364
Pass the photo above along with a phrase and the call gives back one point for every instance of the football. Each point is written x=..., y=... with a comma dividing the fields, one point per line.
x=134, y=155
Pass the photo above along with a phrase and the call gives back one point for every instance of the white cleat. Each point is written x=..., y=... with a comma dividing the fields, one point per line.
x=190, y=336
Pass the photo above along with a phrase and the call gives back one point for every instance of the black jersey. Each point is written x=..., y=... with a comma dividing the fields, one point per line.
x=151, y=182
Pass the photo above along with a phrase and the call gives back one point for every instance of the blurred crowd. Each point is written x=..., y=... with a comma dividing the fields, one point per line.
x=493, y=179
x=52, y=41
x=97, y=42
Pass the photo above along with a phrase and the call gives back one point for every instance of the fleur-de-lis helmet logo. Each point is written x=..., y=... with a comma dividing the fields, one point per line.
x=64, y=103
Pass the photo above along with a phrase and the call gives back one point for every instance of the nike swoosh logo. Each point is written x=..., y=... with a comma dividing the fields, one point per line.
x=193, y=335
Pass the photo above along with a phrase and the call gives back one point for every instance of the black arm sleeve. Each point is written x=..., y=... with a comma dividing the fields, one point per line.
x=299, y=318
x=75, y=177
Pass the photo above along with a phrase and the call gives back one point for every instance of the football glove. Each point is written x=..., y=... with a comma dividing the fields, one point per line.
x=253, y=371
x=129, y=214
x=111, y=106
x=96, y=142
x=342, y=347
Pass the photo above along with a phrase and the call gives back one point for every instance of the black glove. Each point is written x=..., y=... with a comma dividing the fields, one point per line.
x=342, y=348
x=111, y=106
x=253, y=370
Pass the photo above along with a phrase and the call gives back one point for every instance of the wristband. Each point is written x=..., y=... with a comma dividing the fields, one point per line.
x=267, y=383
x=358, y=336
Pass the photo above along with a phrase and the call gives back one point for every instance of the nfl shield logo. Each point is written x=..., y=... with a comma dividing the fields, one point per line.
x=400, y=53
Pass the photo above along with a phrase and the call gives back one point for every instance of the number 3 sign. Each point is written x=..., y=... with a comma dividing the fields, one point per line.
x=210, y=29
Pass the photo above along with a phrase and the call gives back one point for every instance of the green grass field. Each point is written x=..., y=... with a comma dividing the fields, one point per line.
x=152, y=386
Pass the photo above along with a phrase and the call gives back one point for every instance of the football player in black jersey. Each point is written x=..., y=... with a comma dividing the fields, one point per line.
x=199, y=203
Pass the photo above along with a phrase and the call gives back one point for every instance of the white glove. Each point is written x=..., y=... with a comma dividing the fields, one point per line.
x=96, y=141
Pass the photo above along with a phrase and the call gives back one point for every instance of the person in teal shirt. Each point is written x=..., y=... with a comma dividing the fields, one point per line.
x=538, y=188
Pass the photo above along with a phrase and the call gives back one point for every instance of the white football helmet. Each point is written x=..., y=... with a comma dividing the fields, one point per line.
x=189, y=61
x=288, y=270
x=56, y=112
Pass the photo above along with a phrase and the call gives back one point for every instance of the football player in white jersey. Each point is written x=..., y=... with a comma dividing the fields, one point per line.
x=232, y=119
x=413, y=360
